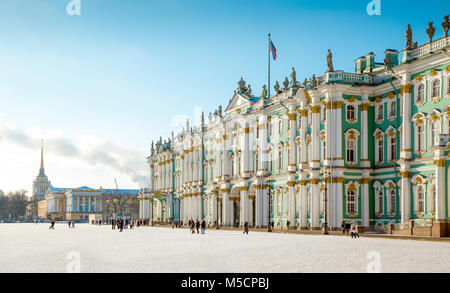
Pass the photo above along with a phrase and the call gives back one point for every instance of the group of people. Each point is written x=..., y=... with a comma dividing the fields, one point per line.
x=123, y=224
x=350, y=227
x=71, y=223
x=193, y=226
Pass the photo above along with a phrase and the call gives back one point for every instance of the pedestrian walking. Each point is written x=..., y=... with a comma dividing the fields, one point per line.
x=73, y=224
x=113, y=223
x=68, y=223
x=52, y=225
x=173, y=225
x=203, y=226
x=197, y=225
x=192, y=226
x=288, y=223
x=343, y=227
x=352, y=231
x=245, y=228
x=356, y=233
x=347, y=227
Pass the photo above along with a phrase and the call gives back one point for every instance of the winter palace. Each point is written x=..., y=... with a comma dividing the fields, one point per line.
x=370, y=147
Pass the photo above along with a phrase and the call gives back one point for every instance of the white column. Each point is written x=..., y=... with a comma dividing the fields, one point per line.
x=406, y=151
x=440, y=187
x=365, y=132
x=244, y=205
x=365, y=201
x=405, y=208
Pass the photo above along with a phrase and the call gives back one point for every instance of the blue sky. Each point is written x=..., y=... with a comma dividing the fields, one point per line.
x=124, y=70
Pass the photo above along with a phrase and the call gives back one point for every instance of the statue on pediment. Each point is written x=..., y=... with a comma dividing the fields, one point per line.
x=330, y=61
x=264, y=92
x=277, y=87
x=210, y=117
x=408, y=37
x=248, y=92
x=293, y=77
x=445, y=25
x=286, y=84
x=387, y=60
x=430, y=31
x=219, y=111
x=314, y=81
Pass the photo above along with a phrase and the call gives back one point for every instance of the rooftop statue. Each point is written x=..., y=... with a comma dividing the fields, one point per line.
x=286, y=83
x=219, y=112
x=264, y=92
x=203, y=118
x=153, y=148
x=187, y=125
x=248, y=92
x=210, y=117
x=276, y=87
x=446, y=25
x=293, y=77
x=408, y=37
x=314, y=81
x=387, y=60
x=330, y=61
x=305, y=82
x=430, y=31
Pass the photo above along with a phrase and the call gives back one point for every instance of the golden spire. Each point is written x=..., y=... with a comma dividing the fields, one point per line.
x=42, y=154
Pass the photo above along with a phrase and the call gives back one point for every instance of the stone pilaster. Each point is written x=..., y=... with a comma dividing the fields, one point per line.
x=406, y=148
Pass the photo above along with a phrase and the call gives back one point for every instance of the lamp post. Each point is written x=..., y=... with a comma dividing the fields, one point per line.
x=269, y=224
x=326, y=173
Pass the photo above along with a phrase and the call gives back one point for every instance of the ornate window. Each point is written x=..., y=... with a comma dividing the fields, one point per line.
x=288, y=123
x=269, y=128
x=351, y=116
x=257, y=131
x=420, y=94
x=436, y=89
x=392, y=148
x=324, y=113
x=434, y=132
x=256, y=161
x=351, y=146
x=379, y=201
x=391, y=201
x=351, y=200
x=279, y=202
x=432, y=199
x=280, y=126
x=380, y=150
x=419, y=133
x=280, y=158
x=420, y=199
x=351, y=194
x=392, y=110
x=448, y=85
x=380, y=113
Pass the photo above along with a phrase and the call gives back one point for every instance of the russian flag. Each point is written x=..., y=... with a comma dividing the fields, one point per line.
x=273, y=50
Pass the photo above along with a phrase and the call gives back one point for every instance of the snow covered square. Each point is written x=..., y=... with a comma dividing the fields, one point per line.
x=89, y=248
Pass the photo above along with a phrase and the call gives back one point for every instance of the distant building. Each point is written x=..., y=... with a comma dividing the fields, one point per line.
x=82, y=203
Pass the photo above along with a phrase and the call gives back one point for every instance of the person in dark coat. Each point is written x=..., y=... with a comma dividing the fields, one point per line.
x=203, y=226
x=347, y=227
x=52, y=225
x=68, y=223
x=343, y=227
x=197, y=225
x=192, y=227
x=113, y=223
x=245, y=228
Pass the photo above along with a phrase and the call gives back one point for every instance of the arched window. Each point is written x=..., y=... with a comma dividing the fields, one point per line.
x=436, y=89
x=420, y=199
x=420, y=138
x=435, y=130
x=280, y=126
x=350, y=112
x=324, y=113
x=351, y=201
x=256, y=162
x=392, y=110
x=280, y=159
x=420, y=93
x=351, y=150
x=279, y=203
x=380, y=110
x=270, y=161
x=380, y=202
x=380, y=150
x=238, y=165
x=392, y=200
x=432, y=201
x=269, y=128
x=257, y=131
x=392, y=148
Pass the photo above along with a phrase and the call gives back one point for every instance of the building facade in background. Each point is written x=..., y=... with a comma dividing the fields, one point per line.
x=369, y=147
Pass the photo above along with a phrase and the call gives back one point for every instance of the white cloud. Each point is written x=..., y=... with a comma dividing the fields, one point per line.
x=90, y=151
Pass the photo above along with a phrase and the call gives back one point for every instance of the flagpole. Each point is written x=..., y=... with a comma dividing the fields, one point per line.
x=268, y=75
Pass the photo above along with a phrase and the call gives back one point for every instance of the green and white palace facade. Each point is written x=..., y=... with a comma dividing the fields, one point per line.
x=371, y=147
